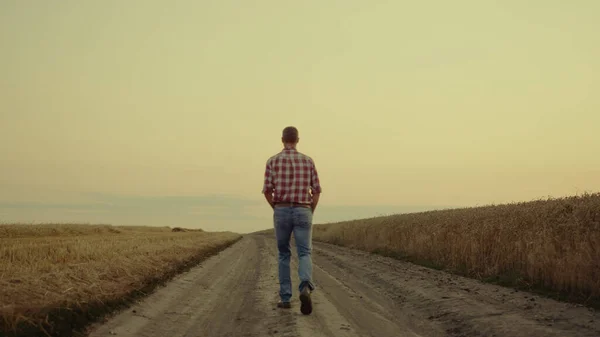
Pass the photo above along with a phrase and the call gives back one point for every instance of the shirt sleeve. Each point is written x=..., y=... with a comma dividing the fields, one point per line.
x=268, y=179
x=315, y=184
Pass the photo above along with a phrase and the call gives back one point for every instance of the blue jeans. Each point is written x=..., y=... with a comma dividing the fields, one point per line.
x=297, y=220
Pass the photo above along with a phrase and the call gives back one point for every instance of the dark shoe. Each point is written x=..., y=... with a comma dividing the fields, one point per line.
x=284, y=305
x=306, y=302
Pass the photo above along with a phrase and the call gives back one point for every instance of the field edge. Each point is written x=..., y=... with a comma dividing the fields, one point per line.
x=505, y=280
x=76, y=321
x=512, y=281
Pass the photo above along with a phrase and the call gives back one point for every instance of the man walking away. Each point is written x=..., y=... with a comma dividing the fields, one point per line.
x=292, y=188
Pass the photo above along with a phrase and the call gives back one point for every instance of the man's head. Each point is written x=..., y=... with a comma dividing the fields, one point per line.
x=290, y=136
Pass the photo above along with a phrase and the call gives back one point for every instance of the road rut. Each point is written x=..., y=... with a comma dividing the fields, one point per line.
x=358, y=294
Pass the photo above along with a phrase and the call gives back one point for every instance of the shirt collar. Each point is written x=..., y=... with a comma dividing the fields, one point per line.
x=289, y=148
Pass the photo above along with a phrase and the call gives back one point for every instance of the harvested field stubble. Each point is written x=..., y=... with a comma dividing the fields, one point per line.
x=550, y=245
x=83, y=270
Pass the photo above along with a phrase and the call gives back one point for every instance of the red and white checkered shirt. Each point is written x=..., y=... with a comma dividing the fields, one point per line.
x=291, y=176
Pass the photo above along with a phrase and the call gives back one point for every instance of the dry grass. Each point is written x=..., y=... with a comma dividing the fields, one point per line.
x=551, y=245
x=45, y=269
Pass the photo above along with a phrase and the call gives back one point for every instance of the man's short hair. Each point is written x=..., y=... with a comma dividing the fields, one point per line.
x=290, y=134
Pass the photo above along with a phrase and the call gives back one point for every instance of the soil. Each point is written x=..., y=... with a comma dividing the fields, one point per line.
x=235, y=293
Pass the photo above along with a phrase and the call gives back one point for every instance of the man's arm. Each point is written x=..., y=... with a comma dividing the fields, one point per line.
x=268, y=185
x=269, y=197
x=315, y=186
x=315, y=201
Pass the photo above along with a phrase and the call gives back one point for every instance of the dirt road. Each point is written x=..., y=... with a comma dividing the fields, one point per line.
x=358, y=294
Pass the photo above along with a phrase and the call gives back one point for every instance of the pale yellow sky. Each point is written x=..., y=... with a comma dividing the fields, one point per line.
x=403, y=106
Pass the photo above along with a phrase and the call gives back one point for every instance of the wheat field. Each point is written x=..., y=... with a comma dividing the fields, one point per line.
x=49, y=272
x=550, y=245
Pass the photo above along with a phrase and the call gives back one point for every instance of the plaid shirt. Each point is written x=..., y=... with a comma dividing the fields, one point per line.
x=290, y=176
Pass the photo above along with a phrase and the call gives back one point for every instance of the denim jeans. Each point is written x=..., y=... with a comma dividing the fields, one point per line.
x=297, y=220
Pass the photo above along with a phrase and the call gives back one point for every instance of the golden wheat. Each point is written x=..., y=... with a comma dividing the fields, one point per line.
x=45, y=267
x=549, y=244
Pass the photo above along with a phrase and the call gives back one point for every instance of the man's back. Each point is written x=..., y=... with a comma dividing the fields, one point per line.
x=292, y=176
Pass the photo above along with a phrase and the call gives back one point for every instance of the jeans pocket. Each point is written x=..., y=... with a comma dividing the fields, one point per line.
x=304, y=217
